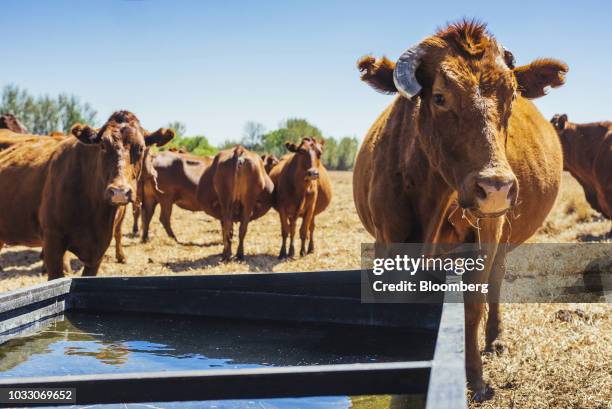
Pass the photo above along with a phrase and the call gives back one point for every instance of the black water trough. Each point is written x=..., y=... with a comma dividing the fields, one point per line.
x=288, y=335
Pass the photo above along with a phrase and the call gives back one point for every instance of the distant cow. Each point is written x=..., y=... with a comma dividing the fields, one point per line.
x=10, y=121
x=460, y=139
x=235, y=188
x=302, y=189
x=269, y=162
x=175, y=182
x=587, y=155
x=65, y=195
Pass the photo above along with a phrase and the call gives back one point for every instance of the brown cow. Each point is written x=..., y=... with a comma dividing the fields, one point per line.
x=235, y=188
x=462, y=133
x=10, y=122
x=176, y=182
x=587, y=155
x=269, y=162
x=69, y=191
x=302, y=189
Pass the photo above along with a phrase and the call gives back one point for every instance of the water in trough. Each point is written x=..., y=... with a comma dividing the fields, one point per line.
x=89, y=343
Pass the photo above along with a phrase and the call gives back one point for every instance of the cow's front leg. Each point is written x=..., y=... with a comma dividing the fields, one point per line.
x=53, y=251
x=474, y=306
x=91, y=269
x=292, y=224
x=307, y=220
x=494, y=325
x=490, y=234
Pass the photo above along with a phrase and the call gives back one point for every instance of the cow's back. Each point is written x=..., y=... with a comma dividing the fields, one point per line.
x=602, y=170
x=178, y=178
x=535, y=155
x=235, y=180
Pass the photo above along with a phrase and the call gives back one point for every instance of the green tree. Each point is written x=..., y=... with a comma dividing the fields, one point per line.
x=253, y=136
x=72, y=111
x=330, y=153
x=228, y=144
x=347, y=150
x=291, y=130
x=45, y=114
x=179, y=127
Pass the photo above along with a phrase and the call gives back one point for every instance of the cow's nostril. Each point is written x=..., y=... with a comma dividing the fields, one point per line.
x=480, y=192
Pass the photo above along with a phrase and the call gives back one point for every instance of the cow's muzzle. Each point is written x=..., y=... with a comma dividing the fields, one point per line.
x=495, y=195
x=490, y=193
x=119, y=196
x=312, y=174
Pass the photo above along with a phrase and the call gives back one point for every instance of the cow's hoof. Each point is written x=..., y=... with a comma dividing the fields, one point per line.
x=481, y=394
x=496, y=347
x=121, y=260
x=302, y=253
x=240, y=257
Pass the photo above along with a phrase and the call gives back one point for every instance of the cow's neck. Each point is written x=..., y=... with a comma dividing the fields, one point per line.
x=302, y=188
x=93, y=187
x=431, y=195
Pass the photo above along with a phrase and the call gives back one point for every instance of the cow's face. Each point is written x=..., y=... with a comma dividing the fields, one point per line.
x=567, y=134
x=308, y=154
x=464, y=85
x=121, y=145
x=269, y=162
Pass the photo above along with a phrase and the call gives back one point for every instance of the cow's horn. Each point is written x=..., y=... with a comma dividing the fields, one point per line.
x=404, y=74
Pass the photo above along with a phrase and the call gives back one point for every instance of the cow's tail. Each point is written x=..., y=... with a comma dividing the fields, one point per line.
x=239, y=159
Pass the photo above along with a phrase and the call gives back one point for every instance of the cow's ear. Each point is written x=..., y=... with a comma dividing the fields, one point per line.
x=559, y=121
x=85, y=133
x=291, y=147
x=377, y=73
x=160, y=137
x=535, y=79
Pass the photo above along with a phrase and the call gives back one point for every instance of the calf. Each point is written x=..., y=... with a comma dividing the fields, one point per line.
x=70, y=191
x=302, y=190
x=175, y=182
x=587, y=155
x=235, y=188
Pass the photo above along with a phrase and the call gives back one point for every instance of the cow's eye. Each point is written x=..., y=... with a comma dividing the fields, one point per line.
x=439, y=99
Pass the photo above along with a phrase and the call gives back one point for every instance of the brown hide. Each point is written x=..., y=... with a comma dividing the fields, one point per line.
x=302, y=189
x=177, y=178
x=10, y=122
x=64, y=195
x=269, y=162
x=470, y=124
x=235, y=188
x=587, y=155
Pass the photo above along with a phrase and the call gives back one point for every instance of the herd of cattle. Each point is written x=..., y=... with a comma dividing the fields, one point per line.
x=69, y=193
x=457, y=157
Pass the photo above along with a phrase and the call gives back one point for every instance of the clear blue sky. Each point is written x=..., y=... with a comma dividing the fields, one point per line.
x=216, y=64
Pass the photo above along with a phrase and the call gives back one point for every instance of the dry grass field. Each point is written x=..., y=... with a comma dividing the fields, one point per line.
x=552, y=359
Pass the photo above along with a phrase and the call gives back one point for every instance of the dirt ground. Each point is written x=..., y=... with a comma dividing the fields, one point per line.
x=552, y=359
